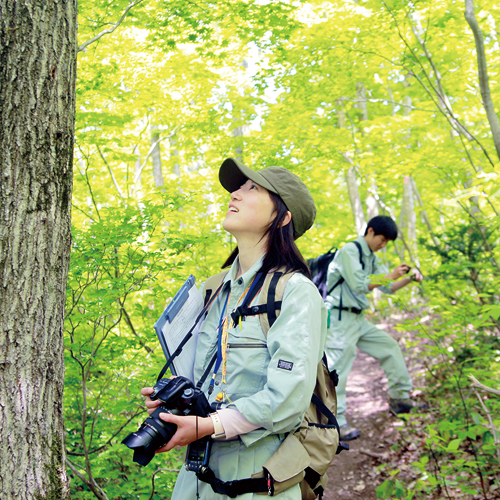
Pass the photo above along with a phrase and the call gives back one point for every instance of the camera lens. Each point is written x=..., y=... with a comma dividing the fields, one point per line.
x=153, y=434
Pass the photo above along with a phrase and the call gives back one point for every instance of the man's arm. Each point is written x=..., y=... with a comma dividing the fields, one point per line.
x=397, y=284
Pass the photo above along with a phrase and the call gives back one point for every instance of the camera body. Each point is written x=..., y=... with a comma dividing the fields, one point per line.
x=180, y=397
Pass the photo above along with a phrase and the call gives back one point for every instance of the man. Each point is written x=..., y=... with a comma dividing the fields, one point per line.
x=348, y=287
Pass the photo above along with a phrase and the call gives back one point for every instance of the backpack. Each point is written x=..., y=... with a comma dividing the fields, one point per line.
x=319, y=269
x=305, y=455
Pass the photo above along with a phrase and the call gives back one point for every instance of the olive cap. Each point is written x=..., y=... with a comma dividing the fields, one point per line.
x=278, y=180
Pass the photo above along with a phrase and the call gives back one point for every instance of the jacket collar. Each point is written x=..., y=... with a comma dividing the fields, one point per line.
x=364, y=245
x=247, y=277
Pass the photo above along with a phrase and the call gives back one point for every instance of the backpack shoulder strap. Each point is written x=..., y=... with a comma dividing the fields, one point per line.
x=272, y=293
x=212, y=284
x=360, y=250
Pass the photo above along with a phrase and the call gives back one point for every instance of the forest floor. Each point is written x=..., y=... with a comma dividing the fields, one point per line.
x=355, y=474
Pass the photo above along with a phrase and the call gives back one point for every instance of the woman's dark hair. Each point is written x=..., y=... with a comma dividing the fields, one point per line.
x=281, y=248
x=384, y=225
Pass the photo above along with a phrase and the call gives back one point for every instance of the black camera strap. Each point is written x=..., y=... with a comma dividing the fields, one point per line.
x=237, y=487
x=189, y=334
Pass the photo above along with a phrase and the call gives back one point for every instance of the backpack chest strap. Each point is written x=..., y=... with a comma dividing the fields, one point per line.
x=243, y=311
x=272, y=287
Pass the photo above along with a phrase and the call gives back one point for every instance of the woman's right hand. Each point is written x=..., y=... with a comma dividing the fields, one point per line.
x=150, y=404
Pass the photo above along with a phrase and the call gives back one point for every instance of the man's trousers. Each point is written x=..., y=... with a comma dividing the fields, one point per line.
x=354, y=330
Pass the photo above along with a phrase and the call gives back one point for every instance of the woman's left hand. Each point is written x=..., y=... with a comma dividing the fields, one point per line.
x=186, y=429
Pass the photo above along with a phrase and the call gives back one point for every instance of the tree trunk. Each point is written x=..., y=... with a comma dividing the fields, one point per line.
x=238, y=152
x=356, y=205
x=37, y=111
x=423, y=213
x=482, y=69
x=361, y=103
x=137, y=173
x=175, y=155
x=371, y=203
x=156, y=156
x=408, y=219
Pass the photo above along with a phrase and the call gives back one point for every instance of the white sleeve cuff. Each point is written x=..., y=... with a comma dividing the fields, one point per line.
x=234, y=423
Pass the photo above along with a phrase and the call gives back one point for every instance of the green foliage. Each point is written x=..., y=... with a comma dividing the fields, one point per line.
x=172, y=72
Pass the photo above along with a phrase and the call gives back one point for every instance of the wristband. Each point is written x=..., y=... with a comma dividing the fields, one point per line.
x=219, y=432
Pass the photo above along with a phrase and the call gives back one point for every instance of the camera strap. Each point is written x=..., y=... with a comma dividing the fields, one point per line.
x=190, y=333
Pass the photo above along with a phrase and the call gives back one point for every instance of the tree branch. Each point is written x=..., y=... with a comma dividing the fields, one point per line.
x=445, y=110
x=481, y=230
x=482, y=70
x=107, y=31
x=153, y=479
x=108, y=442
x=478, y=385
x=128, y=320
x=370, y=99
x=488, y=415
x=110, y=172
x=96, y=489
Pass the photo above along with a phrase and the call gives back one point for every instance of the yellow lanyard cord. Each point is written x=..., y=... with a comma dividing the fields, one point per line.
x=224, y=337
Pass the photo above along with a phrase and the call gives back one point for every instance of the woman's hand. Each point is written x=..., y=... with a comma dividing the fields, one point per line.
x=150, y=404
x=186, y=429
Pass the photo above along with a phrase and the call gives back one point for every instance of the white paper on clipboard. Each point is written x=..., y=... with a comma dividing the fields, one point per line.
x=175, y=322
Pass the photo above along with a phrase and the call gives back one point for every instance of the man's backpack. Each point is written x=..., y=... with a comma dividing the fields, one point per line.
x=305, y=455
x=319, y=269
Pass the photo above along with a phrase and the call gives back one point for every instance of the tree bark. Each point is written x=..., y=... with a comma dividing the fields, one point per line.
x=482, y=69
x=37, y=110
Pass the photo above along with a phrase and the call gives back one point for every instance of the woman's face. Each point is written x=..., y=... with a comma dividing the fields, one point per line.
x=251, y=210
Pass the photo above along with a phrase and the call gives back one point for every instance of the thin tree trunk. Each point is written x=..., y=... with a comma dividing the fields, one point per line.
x=406, y=105
x=137, y=172
x=408, y=219
x=340, y=112
x=361, y=103
x=482, y=70
x=156, y=156
x=372, y=205
x=37, y=111
x=423, y=213
x=175, y=155
x=238, y=132
x=357, y=207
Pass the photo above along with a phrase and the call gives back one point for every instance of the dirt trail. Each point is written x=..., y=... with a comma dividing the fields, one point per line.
x=354, y=473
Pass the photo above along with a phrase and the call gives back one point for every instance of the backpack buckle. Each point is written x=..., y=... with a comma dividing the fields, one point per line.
x=270, y=485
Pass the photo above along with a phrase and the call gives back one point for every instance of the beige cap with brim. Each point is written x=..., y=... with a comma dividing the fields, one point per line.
x=278, y=180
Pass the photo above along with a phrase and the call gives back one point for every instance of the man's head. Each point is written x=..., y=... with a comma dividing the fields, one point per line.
x=379, y=231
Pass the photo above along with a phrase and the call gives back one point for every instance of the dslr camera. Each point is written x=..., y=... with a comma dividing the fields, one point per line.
x=180, y=397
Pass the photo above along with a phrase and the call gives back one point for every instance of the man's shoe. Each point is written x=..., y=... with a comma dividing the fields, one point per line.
x=348, y=433
x=397, y=406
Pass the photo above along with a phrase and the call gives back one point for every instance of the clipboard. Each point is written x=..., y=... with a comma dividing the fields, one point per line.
x=175, y=322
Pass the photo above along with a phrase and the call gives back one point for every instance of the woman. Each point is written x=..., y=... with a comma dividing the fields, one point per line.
x=264, y=382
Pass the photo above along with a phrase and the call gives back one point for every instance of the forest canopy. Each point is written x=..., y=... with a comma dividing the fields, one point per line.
x=381, y=107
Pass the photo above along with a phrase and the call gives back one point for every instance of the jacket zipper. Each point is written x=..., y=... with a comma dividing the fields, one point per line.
x=236, y=345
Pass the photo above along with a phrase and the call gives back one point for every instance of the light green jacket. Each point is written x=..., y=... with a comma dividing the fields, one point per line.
x=269, y=381
x=346, y=265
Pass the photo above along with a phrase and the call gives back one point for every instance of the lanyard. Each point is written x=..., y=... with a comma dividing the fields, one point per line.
x=222, y=338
